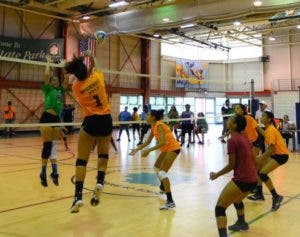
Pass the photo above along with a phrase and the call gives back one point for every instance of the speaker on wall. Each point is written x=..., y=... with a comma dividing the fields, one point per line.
x=265, y=59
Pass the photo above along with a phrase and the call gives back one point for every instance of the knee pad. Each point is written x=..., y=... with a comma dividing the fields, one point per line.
x=53, y=154
x=80, y=162
x=162, y=175
x=46, y=152
x=103, y=156
x=263, y=177
x=220, y=211
x=239, y=206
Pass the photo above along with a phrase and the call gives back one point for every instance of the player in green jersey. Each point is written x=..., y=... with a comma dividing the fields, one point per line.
x=53, y=92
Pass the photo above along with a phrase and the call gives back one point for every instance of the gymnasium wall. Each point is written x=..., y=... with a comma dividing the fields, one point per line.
x=284, y=103
x=222, y=76
x=284, y=55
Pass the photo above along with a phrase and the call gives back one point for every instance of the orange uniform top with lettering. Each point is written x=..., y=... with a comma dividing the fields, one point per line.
x=171, y=143
x=9, y=112
x=273, y=136
x=250, y=130
x=91, y=94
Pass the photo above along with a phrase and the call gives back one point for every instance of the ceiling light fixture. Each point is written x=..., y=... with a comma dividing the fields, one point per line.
x=298, y=26
x=86, y=17
x=237, y=23
x=187, y=25
x=166, y=19
x=156, y=35
x=257, y=3
x=272, y=38
x=118, y=4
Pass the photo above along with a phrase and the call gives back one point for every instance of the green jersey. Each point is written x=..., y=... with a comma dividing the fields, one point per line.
x=53, y=98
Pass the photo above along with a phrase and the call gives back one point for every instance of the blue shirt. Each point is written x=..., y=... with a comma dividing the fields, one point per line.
x=125, y=116
x=186, y=114
x=144, y=115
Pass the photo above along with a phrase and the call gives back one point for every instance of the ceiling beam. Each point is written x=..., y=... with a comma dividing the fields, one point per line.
x=73, y=3
x=49, y=8
x=54, y=2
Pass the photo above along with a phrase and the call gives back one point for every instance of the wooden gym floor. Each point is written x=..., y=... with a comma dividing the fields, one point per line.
x=129, y=204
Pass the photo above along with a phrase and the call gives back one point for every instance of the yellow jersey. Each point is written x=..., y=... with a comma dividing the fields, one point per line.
x=273, y=136
x=91, y=94
x=171, y=143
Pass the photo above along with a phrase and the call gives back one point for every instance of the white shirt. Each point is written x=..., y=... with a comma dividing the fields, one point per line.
x=258, y=115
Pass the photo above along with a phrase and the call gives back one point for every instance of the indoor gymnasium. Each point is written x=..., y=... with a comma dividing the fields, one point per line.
x=149, y=118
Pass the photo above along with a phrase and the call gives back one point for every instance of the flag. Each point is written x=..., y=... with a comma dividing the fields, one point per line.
x=84, y=45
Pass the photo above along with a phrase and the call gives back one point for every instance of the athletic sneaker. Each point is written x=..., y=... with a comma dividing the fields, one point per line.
x=276, y=203
x=256, y=197
x=43, y=178
x=54, y=178
x=76, y=205
x=167, y=205
x=95, y=200
x=239, y=226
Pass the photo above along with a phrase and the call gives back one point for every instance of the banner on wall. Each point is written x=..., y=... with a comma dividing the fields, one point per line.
x=32, y=49
x=191, y=74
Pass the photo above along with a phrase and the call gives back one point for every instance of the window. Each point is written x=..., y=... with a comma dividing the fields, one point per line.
x=158, y=102
x=131, y=102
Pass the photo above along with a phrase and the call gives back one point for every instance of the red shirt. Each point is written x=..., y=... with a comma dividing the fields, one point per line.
x=244, y=170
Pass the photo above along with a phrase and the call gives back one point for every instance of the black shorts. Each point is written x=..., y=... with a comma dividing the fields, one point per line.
x=245, y=187
x=136, y=126
x=49, y=118
x=145, y=128
x=98, y=125
x=258, y=142
x=187, y=128
x=280, y=159
x=177, y=151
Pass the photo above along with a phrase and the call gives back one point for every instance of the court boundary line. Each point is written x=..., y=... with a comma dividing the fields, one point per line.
x=257, y=218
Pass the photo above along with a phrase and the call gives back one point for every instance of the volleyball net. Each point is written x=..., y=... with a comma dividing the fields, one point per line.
x=125, y=88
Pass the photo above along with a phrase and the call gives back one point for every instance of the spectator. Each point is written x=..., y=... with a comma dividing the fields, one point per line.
x=201, y=127
x=9, y=117
x=187, y=126
x=124, y=116
x=145, y=127
x=288, y=129
x=173, y=114
x=262, y=107
x=135, y=126
x=225, y=110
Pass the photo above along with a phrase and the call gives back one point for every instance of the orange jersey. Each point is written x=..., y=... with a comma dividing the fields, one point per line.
x=91, y=94
x=171, y=143
x=9, y=112
x=250, y=130
x=273, y=136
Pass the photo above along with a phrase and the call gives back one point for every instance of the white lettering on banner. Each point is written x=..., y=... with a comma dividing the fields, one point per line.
x=6, y=44
x=33, y=56
x=12, y=54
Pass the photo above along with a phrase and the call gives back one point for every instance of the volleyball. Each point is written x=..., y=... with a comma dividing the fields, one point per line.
x=100, y=35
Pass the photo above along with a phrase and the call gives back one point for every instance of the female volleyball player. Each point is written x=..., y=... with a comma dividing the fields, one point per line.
x=90, y=92
x=244, y=179
x=252, y=129
x=275, y=155
x=53, y=95
x=169, y=147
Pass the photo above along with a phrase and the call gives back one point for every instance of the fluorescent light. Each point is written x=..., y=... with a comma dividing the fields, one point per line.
x=237, y=23
x=86, y=17
x=298, y=26
x=257, y=3
x=75, y=20
x=156, y=35
x=118, y=4
x=271, y=38
x=187, y=25
x=166, y=19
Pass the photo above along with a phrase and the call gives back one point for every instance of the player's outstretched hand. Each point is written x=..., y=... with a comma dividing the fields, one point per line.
x=145, y=153
x=213, y=175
